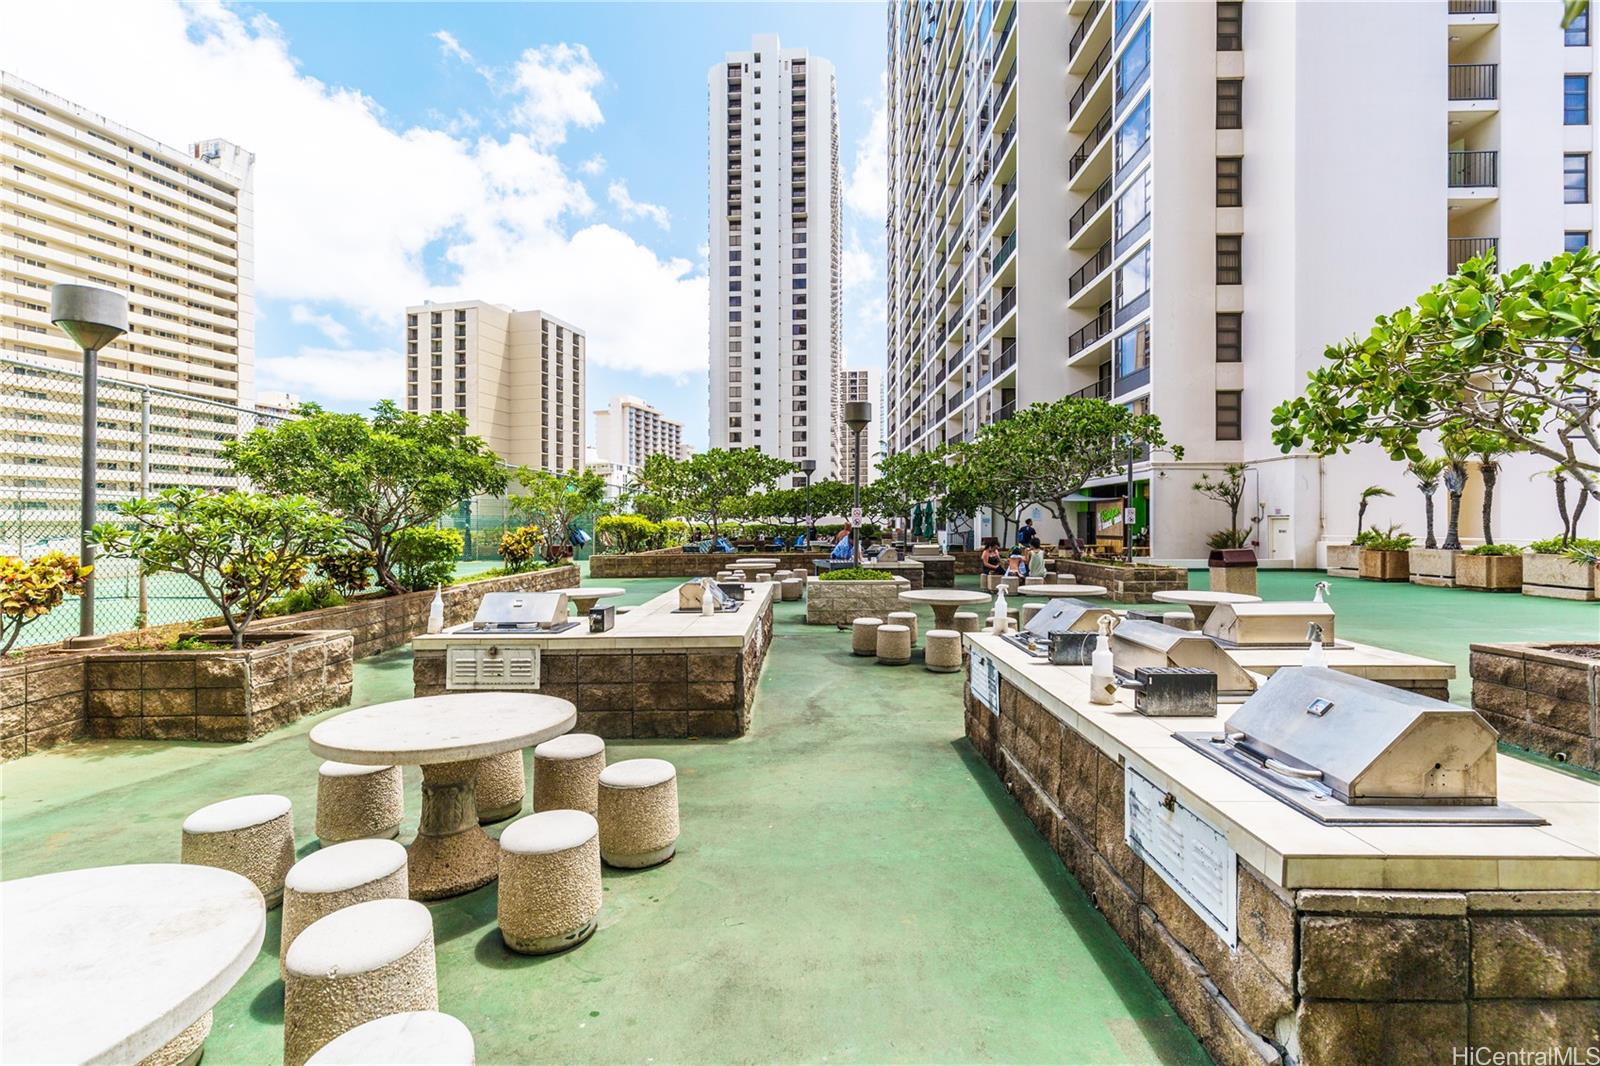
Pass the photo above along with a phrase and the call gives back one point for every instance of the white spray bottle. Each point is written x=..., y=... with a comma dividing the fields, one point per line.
x=1102, y=678
x=708, y=598
x=436, y=611
x=1322, y=590
x=999, y=621
x=1315, y=656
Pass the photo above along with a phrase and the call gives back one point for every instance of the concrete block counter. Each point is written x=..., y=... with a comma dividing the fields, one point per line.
x=1276, y=936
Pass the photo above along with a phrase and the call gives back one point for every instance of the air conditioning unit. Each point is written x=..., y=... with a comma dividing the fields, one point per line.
x=503, y=669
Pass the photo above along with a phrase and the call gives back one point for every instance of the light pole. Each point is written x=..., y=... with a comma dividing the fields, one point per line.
x=1128, y=510
x=808, y=467
x=93, y=318
x=858, y=416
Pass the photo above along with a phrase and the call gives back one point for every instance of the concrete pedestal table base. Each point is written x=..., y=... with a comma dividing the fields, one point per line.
x=451, y=854
x=944, y=602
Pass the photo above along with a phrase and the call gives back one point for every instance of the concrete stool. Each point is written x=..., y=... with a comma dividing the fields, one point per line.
x=966, y=622
x=1033, y=579
x=907, y=619
x=638, y=813
x=358, y=801
x=549, y=881
x=1179, y=620
x=793, y=589
x=941, y=652
x=183, y=1049
x=864, y=636
x=337, y=877
x=566, y=773
x=413, y=1038
x=500, y=785
x=724, y=575
x=357, y=964
x=763, y=577
x=738, y=575
x=1011, y=583
x=894, y=645
x=251, y=835
x=1029, y=610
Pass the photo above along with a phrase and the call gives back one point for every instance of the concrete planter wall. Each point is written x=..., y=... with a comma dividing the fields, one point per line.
x=1541, y=697
x=911, y=571
x=1344, y=560
x=1559, y=577
x=1384, y=565
x=1492, y=573
x=1128, y=584
x=1432, y=566
x=842, y=602
x=41, y=701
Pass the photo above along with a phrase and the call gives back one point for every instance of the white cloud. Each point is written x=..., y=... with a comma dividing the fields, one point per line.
x=867, y=191
x=337, y=376
x=327, y=325
x=594, y=166
x=353, y=213
x=857, y=265
x=450, y=46
x=624, y=202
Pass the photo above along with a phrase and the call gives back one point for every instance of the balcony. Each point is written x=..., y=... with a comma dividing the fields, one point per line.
x=1474, y=81
x=1474, y=170
x=1100, y=390
x=1006, y=359
x=1088, y=209
x=1008, y=245
x=1004, y=411
x=1005, y=305
x=1090, y=77
x=1460, y=249
x=1081, y=34
x=1006, y=139
x=1091, y=332
x=1090, y=143
x=1091, y=269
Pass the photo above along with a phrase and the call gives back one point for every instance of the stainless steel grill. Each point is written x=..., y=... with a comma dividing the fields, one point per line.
x=1137, y=643
x=1265, y=625
x=1346, y=750
x=522, y=612
x=1063, y=630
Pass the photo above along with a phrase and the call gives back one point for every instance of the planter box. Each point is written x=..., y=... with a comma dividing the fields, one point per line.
x=1432, y=566
x=909, y=569
x=1126, y=583
x=1543, y=697
x=1492, y=573
x=1559, y=577
x=41, y=700
x=1344, y=560
x=1383, y=566
x=838, y=603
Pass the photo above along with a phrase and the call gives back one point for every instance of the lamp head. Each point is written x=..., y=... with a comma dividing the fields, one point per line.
x=857, y=415
x=93, y=317
x=808, y=466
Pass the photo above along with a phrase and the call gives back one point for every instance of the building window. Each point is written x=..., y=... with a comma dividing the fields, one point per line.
x=1575, y=100
x=1230, y=103
x=1230, y=337
x=1134, y=63
x=1228, y=408
x=1126, y=10
x=1133, y=351
x=1230, y=26
x=1230, y=181
x=1576, y=239
x=1229, y=268
x=1133, y=277
x=1577, y=34
x=1134, y=133
x=1133, y=206
x=1575, y=177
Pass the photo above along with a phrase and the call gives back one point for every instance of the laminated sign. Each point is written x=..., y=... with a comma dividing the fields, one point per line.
x=1191, y=855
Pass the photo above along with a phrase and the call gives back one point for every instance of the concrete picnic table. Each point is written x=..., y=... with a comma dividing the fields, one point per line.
x=945, y=603
x=447, y=736
x=1054, y=591
x=1201, y=602
x=112, y=963
x=584, y=597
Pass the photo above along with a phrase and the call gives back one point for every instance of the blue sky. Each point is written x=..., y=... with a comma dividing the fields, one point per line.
x=538, y=155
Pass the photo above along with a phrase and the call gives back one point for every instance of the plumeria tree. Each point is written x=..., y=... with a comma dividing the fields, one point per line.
x=555, y=503
x=712, y=485
x=32, y=588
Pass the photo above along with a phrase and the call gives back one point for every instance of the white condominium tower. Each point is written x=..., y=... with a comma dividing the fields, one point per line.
x=776, y=358
x=1178, y=206
x=515, y=376
x=862, y=386
x=630, y=431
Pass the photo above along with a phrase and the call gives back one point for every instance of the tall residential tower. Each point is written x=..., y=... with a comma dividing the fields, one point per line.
x=630, y=431
x=776, y=379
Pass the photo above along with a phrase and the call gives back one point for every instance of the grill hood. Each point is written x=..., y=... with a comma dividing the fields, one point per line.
x=1136, y=643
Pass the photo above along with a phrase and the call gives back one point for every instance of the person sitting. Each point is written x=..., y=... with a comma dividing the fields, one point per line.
x=1016, y=566
x=841, y=546
x=990, y=562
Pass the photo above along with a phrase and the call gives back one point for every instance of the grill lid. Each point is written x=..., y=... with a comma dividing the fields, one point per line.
x=1268, y=624
x=1065, y=615
x=1136, y=643
x=521, y=610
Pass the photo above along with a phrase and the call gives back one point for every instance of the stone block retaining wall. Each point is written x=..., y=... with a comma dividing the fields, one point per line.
x=1318, y=977
x=1128, y=584
x=842, y=602
x=1540, y=699
x=644, y=693
x=41, y=702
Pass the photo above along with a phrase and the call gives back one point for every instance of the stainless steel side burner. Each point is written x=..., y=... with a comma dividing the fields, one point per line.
x=1348, y=751
x=522, y=612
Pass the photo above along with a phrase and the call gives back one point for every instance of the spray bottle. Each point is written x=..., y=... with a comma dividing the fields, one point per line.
x=708, y=598
x=999, y=620
x=1322, y=591
x=1102, y=678
x=436, y=611
x=1315, y=656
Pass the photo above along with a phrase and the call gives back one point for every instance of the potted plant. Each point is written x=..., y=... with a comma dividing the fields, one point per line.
x=1430, y=564
x=1492, y=567
x=1562, y=567
x=1384, y=555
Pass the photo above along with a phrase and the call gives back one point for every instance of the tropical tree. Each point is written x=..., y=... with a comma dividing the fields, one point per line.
x=381, y=475
x=1455, y=484
x=1488, y=448
x=555, y=503
x=1569, y=518
x=1368, y=494
x=242, y=548
x=1514, y=355
x=32, y=588
x=1427, y=470
x=712, y=485
x=1229, y=490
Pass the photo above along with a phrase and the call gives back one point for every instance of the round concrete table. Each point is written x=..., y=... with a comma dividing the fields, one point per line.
x=945, y=603
x=110, y=964
x=758, y=561
x=447, y=736
x=1063, y=590
x=1201, y=602
x=584, y=597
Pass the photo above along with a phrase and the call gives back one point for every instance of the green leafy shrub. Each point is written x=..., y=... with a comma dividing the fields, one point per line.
x=349, y=571
x=424, y=557
x=1576, y=548
x=1393, y=539
x=856, y=573
x=312, y=596
x=33, y=589
x=622, y=533
x=520, y=548
x=673, y=532
x=190, y=642
x=1228, y=538
x=1494, y=549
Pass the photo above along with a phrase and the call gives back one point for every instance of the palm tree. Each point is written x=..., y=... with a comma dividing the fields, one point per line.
x=1427, y=472
x=1489, y=467
x=1455, y=483
x=1368, y=494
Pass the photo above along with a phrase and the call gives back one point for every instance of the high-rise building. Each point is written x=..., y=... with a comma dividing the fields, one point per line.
x=630, y=431
x=1178, y=206
x=776, y=356
x=517, y=377
x=861, y=386
x=277, y=404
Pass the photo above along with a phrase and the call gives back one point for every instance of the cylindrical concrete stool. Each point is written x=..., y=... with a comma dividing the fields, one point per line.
x=864, y=636
x=966, y=622
x=1034, y=579
x=904, y=618
x=357, y=964
x=549, y=881
x=414, y=1038
x=941, y=652
x=738, y=575
x=793, y=589
x=566, y=773
x=763, y=577
x=337, y=877
x=1029, y=610
x=638, y=813
x=358, y=801
x=724, y=575
x=183, y=1049
x=500, y=785
x=1178, y=620
x=894, y=645
x=251, y=835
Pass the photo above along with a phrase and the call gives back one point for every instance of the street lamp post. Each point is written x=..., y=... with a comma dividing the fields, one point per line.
x=93, y=318
x=858, y=416
x=1128, y=510
x=808, y=467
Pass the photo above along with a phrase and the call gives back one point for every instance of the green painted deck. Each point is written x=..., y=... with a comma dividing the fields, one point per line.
x=852, y=884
